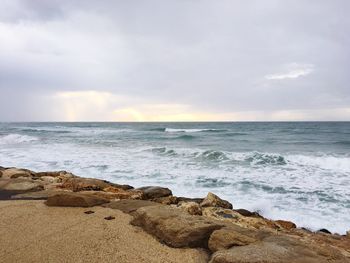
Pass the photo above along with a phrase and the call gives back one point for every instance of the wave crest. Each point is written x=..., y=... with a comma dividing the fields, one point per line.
x=17, y=138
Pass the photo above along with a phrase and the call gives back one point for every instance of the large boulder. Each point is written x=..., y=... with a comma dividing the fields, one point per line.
x=288, y=225
x=152, y=192
x=213, y=200
x=12, y=173
x=175, y=227
x=77, y=184
x=191, y=207
x=129, y=206
x=278, y=249
x=231, y=216
x=74, y=200
x=20, y=185
x=228, y=237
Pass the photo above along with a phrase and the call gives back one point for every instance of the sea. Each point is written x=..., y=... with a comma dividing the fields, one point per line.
x=297, y=171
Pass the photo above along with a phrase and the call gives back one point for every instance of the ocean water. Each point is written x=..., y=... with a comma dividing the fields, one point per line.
x=297, y=171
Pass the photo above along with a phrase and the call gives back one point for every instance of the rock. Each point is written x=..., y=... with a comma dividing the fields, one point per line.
x=16, y=173
x=175, y=227
x=286, y=224
x=278, y=249
x=21, y=184
x=152, y=192
x=191, y=207
x=185, y=199
x=323, y=230
x=228, y=237
x=231, y=216
x=40, y=195
x=129, y=206
x=124, y=194
x=74, y=200
x=50, y=179
x=77, y=184
x=348, y=233
x=64, y=174
x=213, y=200
x=247, y=213
x=167, y=200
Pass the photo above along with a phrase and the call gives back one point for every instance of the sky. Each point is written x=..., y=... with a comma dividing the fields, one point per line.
x=184, y=60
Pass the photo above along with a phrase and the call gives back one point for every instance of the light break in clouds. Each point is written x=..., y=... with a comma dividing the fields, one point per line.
x=75, y=60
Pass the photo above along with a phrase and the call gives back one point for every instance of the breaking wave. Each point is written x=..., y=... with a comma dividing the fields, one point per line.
x=193, y=130
x=16, y=138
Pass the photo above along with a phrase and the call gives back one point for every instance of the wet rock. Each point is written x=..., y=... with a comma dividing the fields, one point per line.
x=16, y=173
x=228, y=237
x=323, y=230
x=129, y=206
x=278, y=249
x=191, y=207
x=247, y=213
x=152, y=192
x=175, y=227
x=185, y=199
x=74, y=200
x=21, y=184
x=213, y=200
x=286, y=224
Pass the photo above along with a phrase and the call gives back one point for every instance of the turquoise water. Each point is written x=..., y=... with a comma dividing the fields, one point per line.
x=295, y=171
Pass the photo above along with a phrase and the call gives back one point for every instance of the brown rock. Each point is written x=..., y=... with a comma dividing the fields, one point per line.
x=40, y=195
x=278, y=249
x=16, y=173
x=74, y=200
x=77, y=184
x=231, y=216
x=185, y=199
x=152, y=192
x=247, y=213
x=213, y=200
x=124, y=194
x=21, y=184
x=50, y=179
x=129, y=206
x=167, y=200
x=191, y=207
x=228, y=237
x=286, y=224
x=121, y=194
x=175, y=227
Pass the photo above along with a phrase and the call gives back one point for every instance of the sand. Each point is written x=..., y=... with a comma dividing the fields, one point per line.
x=32, y=232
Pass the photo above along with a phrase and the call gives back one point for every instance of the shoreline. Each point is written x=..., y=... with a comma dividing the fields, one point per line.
x=208, y=224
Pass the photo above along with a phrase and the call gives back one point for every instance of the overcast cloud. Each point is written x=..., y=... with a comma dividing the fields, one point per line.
x=174, y=60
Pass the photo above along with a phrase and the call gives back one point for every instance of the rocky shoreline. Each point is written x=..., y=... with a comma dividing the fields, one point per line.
x=209, y=224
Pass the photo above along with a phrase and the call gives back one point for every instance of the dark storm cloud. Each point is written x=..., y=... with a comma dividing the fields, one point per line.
x=217, y=56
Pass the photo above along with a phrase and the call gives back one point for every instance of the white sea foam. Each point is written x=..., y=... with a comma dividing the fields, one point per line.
x=16, y=138
x=190, y=130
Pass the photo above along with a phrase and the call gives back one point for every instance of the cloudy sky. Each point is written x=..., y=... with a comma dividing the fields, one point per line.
x=184, y=60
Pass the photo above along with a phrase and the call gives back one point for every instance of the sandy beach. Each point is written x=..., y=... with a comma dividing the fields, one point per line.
x=32, y=232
